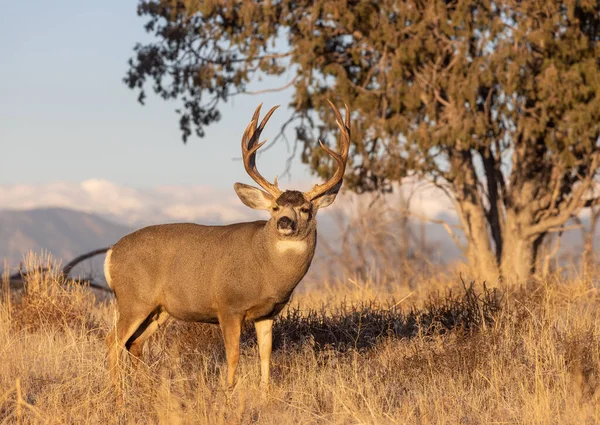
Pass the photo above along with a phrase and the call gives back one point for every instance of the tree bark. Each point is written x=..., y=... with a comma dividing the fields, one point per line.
x=587, y=257
x=480, y=255
x=519, y=257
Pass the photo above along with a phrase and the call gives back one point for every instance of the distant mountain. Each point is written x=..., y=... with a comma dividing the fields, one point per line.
x=63, y=232
x=67, y=233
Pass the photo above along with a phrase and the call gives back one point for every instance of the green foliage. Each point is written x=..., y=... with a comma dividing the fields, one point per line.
x=422, y=78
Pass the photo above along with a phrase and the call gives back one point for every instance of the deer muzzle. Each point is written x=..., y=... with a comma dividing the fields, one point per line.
x=286, y=225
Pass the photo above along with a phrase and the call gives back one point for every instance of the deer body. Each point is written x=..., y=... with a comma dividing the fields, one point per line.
x=221, y=274
x=201, y=271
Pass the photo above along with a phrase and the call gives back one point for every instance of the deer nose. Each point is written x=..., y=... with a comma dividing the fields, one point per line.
x=286, y=223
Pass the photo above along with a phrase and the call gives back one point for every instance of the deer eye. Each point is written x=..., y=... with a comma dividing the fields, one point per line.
x=276, y=208
x=305, y=210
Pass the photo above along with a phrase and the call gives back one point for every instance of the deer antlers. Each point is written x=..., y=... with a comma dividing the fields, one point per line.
x=336, y=180
x=250, y=146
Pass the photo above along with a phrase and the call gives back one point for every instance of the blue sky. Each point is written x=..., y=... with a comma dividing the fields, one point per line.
x=73, y=135
x=66, y=115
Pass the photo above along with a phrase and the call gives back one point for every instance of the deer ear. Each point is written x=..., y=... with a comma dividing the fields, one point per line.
x=326, y=200
x=253, y=197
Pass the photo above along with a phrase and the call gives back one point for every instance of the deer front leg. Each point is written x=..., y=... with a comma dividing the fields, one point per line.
x=264, y=335
x=231, y=328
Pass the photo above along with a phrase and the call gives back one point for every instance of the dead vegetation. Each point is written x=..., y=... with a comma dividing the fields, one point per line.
x=450, y=353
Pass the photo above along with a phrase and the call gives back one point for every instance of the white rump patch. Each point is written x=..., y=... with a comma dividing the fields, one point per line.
x=107, y=268
x=297, y=246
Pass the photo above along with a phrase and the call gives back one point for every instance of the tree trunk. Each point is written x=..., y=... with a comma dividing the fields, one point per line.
x=480, y=255
x=519, y=257
x=587, y=258
x=482, y=259
x=517, y=260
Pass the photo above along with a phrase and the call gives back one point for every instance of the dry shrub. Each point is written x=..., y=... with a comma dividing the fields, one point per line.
x=50, y=300
x=376, y=237
x=365, y=324
x=461, y=354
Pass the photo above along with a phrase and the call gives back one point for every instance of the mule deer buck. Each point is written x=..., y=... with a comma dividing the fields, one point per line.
x=221, y=274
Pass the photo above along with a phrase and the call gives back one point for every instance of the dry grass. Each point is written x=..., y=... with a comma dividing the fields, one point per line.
x=447, y=354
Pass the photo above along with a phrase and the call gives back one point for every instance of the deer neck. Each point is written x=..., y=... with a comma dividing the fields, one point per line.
x=294, y=255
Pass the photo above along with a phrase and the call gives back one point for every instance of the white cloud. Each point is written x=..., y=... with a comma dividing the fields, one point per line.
x=129, y=205
x=420, y=198
x=198, y=203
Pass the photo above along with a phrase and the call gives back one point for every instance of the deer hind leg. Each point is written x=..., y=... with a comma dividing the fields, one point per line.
x=264, y=336
x=135, y=344
x=127, y=325
x=231, y=327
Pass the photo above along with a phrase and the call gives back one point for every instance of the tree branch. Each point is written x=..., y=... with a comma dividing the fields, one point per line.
x=591, y=202
x=564, y=228
x=20, y=275
x=66, y=269
x=273, y=90
x=444, y=223
x=573, y=205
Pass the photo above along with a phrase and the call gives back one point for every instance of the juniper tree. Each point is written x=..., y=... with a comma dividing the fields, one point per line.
x=495, y=102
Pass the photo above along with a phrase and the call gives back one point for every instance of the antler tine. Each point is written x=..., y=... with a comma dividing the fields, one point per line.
x=249, y=148
x=344, y=128
x=341, y=158
x=251, y=128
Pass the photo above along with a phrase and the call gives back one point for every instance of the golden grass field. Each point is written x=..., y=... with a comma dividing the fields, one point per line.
x=348, y=351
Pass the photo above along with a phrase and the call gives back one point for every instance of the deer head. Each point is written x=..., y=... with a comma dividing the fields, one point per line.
x=292, y=212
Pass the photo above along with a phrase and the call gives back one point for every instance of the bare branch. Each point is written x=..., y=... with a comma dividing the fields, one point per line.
x=573, y=205
x=66, y=269
x=564, y=228
x=551, y=254
x=92, y=284
x=272, y=90
x=194, y=51
x=18, y=278
x=444, y=223
x=591, y=202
